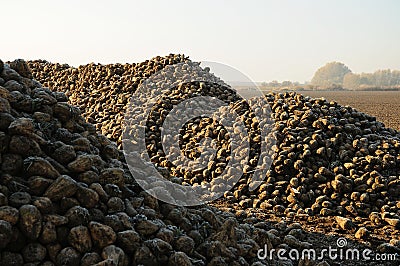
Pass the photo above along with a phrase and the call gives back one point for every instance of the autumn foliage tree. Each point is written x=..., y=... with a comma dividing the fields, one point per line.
x=330, y=76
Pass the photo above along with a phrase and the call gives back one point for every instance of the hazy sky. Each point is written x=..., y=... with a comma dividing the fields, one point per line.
x=282, y=40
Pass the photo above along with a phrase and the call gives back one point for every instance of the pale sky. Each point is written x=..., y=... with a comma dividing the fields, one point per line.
x=266, y=40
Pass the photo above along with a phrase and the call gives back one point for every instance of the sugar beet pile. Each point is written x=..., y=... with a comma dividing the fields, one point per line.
x=329, y=159
x=68, y=198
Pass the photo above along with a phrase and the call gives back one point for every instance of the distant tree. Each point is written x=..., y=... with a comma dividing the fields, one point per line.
x=367, y=79
x=330, y=75
x=274, y=83
x=351, y=81
x=395, y=81
x=286, y=83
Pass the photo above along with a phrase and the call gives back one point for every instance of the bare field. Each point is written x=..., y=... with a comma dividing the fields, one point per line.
x=384, y=105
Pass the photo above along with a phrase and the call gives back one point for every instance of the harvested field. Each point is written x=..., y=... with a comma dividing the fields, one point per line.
x=384, y=105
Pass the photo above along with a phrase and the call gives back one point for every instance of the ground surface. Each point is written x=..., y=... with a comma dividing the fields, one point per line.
x=324, y=233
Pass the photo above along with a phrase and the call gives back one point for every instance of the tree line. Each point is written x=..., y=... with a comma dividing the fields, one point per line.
x=380, y=79
x=337, y=76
